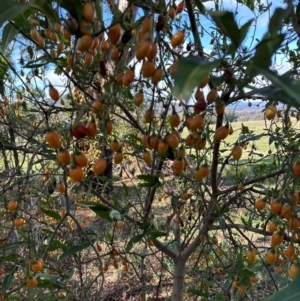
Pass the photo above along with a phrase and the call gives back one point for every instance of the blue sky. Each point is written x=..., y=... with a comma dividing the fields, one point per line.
x=244, y=14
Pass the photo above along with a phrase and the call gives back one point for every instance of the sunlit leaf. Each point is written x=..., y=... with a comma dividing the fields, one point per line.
x=194, y=69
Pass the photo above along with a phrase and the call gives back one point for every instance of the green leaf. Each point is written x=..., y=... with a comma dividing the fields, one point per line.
x=13, y=245
x=298, y=11
x=194, y=68
x=150, y=181
x=290, y=293
x=8, y=280
x=200, y=6
x=45, y=7
x=47, y=231
x=228, y=27
x=55, y=245
x=98, y=6
x=43, y=282
x=46, y=276
x=276, y=21
x=134, y=240
x=195, y=292
x=226, y=23
x=13, y=297
x=74, y=249
x=248, y=3
x=265, y=49
x=30, y=51
x=155, y=234
x=290, y=86
x=13, y=257
x=125, y=189
x=9, y=10
x=10, y=31
x=227, y=285
x=244, y=30
x=99, y=209
x=8, y=34
x=51, y=213
x=222, y=222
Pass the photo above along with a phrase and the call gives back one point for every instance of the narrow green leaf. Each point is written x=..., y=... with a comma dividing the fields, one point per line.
x=298, y=10
x=148, y=178
x=55, y=245
x=290, y=293
x=222, y=222
x=290, y=86
x=227, y=285
x=244, y=30
x=8, y=34
x=276, y=20
x=227, y=25
x=98, y=6
x=155, y=234
x=9, y=31
x=249, y=4
x=265, y=50
x=194, y=69
x=30, y=52
x=13, y=257
x=32, y=65
x=46, y=276
x=13, y=245
x=50, y=213
x=200, y=6
x=125, y=189
x=74, y=249
x=45, y=7
x=195, y=292
x=9, y=10
x=99, y=209
x=47, y=231
x=13, y=297
x=43, y=282
x=134, y=240
x=8, y=280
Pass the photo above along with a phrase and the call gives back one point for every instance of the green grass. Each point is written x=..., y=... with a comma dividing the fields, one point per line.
x=258, y=127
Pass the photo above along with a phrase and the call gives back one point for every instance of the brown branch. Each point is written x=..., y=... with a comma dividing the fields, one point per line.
x=150, y=198
x=130, y=117
x=159, y=245
x=251, y=93
x=214, y=164
x=194, y=27
x=211, y=216
x=255, y=180
x=293, y=17
x=252, y=229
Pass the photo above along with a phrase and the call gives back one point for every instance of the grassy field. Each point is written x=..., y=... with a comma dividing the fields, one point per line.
x=258, y=128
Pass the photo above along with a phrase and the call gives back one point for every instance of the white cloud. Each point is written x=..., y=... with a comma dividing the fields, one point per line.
x=56, y=80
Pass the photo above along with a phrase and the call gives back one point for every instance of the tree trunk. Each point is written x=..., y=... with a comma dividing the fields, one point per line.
x=178, y=279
